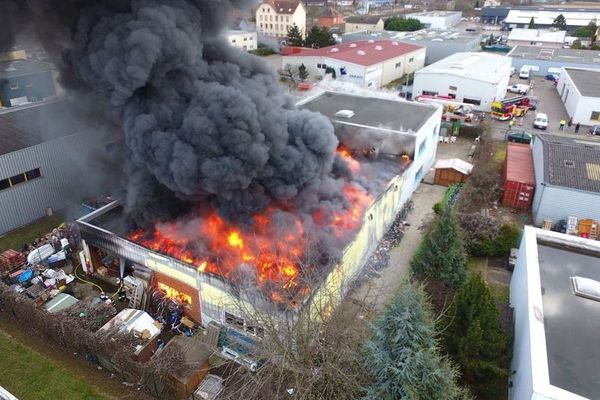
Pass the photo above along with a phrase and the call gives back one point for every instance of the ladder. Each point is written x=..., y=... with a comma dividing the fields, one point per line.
x=135, y=297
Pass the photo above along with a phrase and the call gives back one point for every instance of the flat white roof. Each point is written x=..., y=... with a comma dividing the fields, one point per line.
x=434, y=13
x=563, y=327
x=547, y=17
x=484, y=67
x=537, y=35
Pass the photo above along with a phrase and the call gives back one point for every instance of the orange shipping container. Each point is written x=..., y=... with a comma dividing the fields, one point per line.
x=519, y=180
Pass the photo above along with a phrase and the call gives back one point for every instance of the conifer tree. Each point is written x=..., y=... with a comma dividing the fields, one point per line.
x=294, y=36
x=476, y=341
x=403, y=355
x=441, y=256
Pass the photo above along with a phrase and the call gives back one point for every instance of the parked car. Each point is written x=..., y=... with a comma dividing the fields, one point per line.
x=595, y=130
x=519, y=88
x=552, y=77
x=524, y=73
x=519, y=137
x=541, y=121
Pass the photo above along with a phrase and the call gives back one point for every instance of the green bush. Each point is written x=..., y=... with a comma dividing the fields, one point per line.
x=438, y=208
x=495, y=245
x=262, y=51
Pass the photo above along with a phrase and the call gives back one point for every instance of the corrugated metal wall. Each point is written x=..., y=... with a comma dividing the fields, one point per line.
x=58, y=186
x=555, y=203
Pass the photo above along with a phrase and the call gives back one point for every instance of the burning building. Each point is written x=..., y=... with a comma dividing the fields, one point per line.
x=271, y=262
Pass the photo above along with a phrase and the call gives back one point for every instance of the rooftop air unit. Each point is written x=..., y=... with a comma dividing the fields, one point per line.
x=345, y=114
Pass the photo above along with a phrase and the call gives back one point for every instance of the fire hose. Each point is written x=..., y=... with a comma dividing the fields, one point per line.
x=94, y=284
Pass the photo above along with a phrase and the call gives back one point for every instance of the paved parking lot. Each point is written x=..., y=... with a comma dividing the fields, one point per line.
x=549, y=103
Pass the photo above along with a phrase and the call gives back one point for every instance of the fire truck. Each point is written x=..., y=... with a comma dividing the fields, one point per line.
x=506, y=109
x=452, y=109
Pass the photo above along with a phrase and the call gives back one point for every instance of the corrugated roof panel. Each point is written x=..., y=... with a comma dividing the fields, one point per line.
x=519, y=163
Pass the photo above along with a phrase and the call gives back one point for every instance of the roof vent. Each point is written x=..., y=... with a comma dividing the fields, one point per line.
x=378, y=48
x=334, y=50
x=360, y=53
x=585, y=287
x=345, y=114
x=394, y=43
x=371, y=41
x=352, y=44
x=10, y=69
x=569, y=163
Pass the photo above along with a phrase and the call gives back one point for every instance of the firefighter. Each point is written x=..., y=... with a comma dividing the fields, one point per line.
x=511, y=123
x=561, y=125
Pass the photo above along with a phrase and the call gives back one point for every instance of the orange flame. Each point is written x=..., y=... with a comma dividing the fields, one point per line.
x=274, y=251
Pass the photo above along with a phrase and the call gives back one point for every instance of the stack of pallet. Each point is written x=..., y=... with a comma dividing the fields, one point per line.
x=10, y=259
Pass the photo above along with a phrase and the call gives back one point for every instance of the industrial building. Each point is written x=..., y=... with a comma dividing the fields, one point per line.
x=370, y=63
x=243, y=40
x=579, y=90
x=548, y=38
x=438, y=44
x=554, y=294
x=25, y=81
x=358, y=23
x=44, y=150
x=550, y=61
x=544, y=18
x=473, y=78
x=437, y=19
x=567, y=178
x=412, y=132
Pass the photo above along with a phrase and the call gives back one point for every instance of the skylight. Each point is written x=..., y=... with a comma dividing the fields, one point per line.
x=585, y=287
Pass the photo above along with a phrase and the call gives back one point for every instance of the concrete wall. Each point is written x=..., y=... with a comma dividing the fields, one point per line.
x=243, y=40
x=33, y=86
x=578, y=107
x=466, y=88
x=543, y=65
x=356, y=27
x=61, y=184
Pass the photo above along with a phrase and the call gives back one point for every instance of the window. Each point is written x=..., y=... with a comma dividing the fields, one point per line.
x=20, y=178
x=411, y=59
x=422, y=147
x=29, y=85
x=287, y=18
x=245, y=39
x=234, y=320
x=452, y=88
x=270, y=26
x=15, y=180
x=398, y=65
x=452, y=95
x=34, y=173
x=428, y=93
x=471, y=101
x=261, y=25
x=319, y=66
x=232, y=40
x=14, y=86
x=276, y=18
x=595, y=115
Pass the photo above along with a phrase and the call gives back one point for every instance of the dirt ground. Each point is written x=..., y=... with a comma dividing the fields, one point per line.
x=107, y=385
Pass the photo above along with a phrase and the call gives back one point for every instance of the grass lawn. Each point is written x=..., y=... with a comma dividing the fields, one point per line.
x=29, y=375
x=15, y=239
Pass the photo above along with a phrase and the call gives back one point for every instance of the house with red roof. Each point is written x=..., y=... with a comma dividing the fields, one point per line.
x=368, y=63
x=275, y=17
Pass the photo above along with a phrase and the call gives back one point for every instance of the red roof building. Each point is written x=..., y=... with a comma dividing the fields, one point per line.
x=371, y=63
x=331, y=17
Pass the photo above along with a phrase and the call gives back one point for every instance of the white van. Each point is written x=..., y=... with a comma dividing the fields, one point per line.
x=524, y=73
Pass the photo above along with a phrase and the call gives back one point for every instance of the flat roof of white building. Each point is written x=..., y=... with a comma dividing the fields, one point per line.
x=371, y=112
x=537, y=35
x=564, y=340
x=546, y=17
x=483, y=67
x=434, y=14
x=586, y=81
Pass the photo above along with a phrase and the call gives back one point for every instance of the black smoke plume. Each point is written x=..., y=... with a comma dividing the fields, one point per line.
x=204, y=123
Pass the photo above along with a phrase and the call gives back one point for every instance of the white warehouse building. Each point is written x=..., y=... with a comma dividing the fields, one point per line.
x=537, y=37
x=437, y=19
x=243, y=40
x=579, y=90
x=369, y=63
x=473, y=78
x=556, y=352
